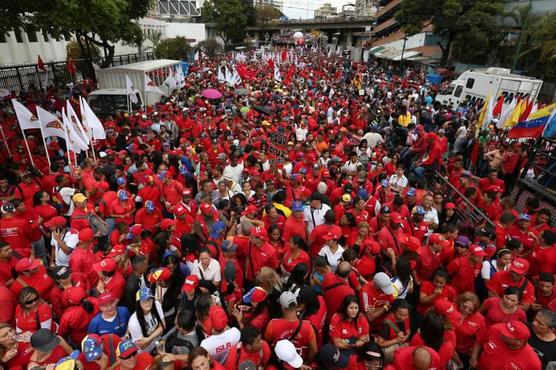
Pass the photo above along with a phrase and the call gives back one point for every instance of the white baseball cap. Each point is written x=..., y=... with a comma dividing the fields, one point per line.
x=285, y=350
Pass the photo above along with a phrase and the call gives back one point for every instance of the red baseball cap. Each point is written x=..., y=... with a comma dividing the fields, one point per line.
x=206, y=208
x=396, y=218
x=520, y=266
x=372, y=246
x=106, y=265
x=218, y=317
x=180, y=211
x=186, y=193
x=446, y=308
x=86, y=235
x=450, y=205
x=515, y=329
x=477, y=251
x=160, y=274
x=258, y=232
x=332, y=235
x=413, y=244
x=256, y=294
x=75, y=294
x=117, y=250
x=167, y=223
x=250, y=210
x=26, y=264
x=106, y=298
x=436, y=238
x=190, y=284
x=56, y=222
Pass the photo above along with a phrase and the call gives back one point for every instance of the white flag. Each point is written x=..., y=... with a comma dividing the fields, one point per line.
x=229, y=76
x=74, y=142
x=27, y=120
x=196, y=56
x=129, y=90
x=221, y=77
x=506, y=113
x=89, y=119
x=150, y=86
x=277, y=76
x=236, y=78
x=83, y=132
x=51, y=125
x=180, y=77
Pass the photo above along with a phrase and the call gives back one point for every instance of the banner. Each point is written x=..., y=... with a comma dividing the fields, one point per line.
x=74, y=141
x=26, y=119
x=51, y=125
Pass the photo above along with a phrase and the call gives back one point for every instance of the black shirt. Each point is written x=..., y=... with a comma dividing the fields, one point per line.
x=545, y=350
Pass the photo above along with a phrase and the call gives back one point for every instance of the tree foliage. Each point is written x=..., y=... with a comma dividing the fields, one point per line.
x=176, y=48
x=209, y=47
x=538, y=53
x=99, y=22
x=266, y=13
x=467, y=26
x=230, y=18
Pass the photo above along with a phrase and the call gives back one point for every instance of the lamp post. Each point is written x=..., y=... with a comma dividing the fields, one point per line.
x=403, y=52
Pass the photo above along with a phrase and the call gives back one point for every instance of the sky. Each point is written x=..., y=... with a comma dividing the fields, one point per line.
x=298, y=8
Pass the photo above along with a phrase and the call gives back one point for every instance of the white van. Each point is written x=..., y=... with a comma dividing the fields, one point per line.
x=473, y=86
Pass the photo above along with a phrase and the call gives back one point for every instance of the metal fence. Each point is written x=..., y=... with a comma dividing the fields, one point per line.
x=22, y=76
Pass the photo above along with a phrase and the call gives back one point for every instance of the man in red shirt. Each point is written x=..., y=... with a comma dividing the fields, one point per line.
x=376, y=298
x=252, y=348
x=259, y=254
x=171, y=190
x=7, y=263
x=130, y=359
x=505, y=343
x=80, y=217
x=295, y=224
x=110, y=279
x=515, y=277
x=493, y=181
x=82, y=258
x=414, y=358
x=15, y=231
x=31, y=272
x=300, y=332
x=463, y=270
x=429, y=256
x=522, y=232
x=336, y=287
x=149, y=216
x=391, y=237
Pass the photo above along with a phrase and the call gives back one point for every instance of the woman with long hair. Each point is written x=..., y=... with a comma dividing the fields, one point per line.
x=295, y=254
x=76, y=317
x=13, y=353
x=349, y=328
x=312, y=307
x=395, y=329
x=32, y=313
x=147, y=324
x=43, y=206
x=270, y=281
x=470, y=326
x=253, y=311
x=275, y=240
x=433, y=334
x=199, y=359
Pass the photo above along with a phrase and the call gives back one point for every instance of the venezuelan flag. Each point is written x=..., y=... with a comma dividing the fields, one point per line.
x=536, y=123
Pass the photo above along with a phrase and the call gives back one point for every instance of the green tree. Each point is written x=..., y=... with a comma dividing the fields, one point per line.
x=176, y=48
x=229, y=18
x=209, y=47
x=538, y=52
x=469, y=25
x=99, y=22
x=265, y=14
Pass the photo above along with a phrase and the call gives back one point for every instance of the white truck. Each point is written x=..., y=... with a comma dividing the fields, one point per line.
x=110, y=97
x=473, y=87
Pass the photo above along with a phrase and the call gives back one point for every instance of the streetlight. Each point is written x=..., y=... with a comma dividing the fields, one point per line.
x=403, y=52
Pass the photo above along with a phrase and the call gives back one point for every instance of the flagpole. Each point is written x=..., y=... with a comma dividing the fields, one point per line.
x=27, y=146
x=5, y=141
x=68, y=143
x=93, y=150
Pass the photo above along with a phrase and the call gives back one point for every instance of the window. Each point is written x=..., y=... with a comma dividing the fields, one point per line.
x=458, y=91
x=45, y=36
x=32, y=36
x=2, y=37
x=470, y=83
x=17, y=32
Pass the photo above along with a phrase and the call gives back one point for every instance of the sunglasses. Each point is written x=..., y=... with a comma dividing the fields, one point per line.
x=31, y=301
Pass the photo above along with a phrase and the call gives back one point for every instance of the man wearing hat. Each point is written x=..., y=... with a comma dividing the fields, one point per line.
x=296, y=224
x=80, y=217
x=464, y=269
x=31, y=272
x=82, y=258
x=522, y=231
x=505, y=343
x=430, y=256
x=98, y=351
x=149, y=216
x=378, y=222
x=129, y=358
x=314, y=214
x=376, y=297
x=514, y=277
x=259, y=253
x=300, y=332
x=417, y=226
x=15, y=231
x=223, y=339
x=391, y=237
x=63, y=241
x=110, y=279
x=171, y=190
x=123, y=208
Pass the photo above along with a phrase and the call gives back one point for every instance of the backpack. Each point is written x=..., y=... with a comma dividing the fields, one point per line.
x=98, y=225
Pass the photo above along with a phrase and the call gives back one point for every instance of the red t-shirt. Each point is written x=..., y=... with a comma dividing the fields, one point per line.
x=14, y=231
x=288, y=263
x=293, y=226
x=335, y=290
x=446, y=350
x=259, y=358
x=495, y=315
x=427, y=288
x=6, y=269
x=278, y=329
x=144, y=361
x=467, y=332
x=463, y=274
x=427, y=263
x=502, y=279
x=352, y=330
x=74, y=321
x=39, y=280
x=28, y=321
x=403, y=359
x=149, y=221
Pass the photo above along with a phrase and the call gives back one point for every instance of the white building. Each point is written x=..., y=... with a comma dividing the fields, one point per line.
x=365, y=8
x=326, y=11
x=17, y=47
x=278, y=4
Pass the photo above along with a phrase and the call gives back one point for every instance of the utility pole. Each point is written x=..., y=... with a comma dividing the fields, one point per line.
x=403, y=52
x=519, y=41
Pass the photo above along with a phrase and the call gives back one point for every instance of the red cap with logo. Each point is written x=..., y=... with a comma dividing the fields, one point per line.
x=477, y=251
x=86, y=235
x=166, y=224
x=439, y=239
x=190, y=284
x=515, y=329
x=258, y=232
x=106, y=265
x=218, y=317
x=520, y=266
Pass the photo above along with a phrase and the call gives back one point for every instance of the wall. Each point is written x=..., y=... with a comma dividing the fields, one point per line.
x=194, y=31
x=13, y=52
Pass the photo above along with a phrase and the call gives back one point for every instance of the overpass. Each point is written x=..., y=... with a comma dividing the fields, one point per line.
x=345, y=28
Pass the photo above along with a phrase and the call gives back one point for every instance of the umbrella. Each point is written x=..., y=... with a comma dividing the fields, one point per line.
x=241, y=92
x=263, y=109
x=211, y=94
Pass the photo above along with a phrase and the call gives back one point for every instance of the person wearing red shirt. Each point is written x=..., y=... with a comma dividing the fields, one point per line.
x=435, y=289
x=522, y=232
x=544, y=254
x=349, y=328
x=7, y=263
x=171, y=190
x=128, y=357
x=305, y=341
x=545, y=292
x=252, y=348
x=505, y=343
x=187, y=203
x=376, y=297
x=204, y=220
x=390, y=238
x=378, y=222
x=492, y=181
x=183, y=221
x=294, y=255
x=503, y=309
x=430, y=257
x=80, y=218
x=471, y=325
x=295, y=224
x=98, y=352
x=82, y=258
x=415, y=358
x=29, y=186
x=514, y=277
x=123, y=209
x=14, y=231
x=259, y=254
x=151, y=192
x=31, y=272
x=507, y=219
x=336, y=287
x=149, y=216
x=463, y=270
x=110, y=279
x=76, y=317
x=31, y=313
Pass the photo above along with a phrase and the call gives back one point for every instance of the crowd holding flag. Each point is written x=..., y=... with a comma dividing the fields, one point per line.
x=536, y=123
x=27, y=121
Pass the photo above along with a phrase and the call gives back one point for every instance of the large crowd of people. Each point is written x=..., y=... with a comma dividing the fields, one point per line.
x=290, y=225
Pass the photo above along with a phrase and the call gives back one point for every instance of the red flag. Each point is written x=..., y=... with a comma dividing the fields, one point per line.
x=70, y=66
x=497, y=110
x=289, y=74
x=40, y=64
x=527, y=111
x=284, y=55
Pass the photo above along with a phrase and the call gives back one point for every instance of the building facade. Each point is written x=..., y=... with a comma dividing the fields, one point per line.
x=278, y=4
x=326, y=11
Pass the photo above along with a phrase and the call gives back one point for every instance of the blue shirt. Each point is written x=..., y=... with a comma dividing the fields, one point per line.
x=118, y=326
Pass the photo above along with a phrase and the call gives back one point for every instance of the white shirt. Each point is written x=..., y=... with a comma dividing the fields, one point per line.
x=332, y=258
x=431, y=217
x=486, y=269
x=301, y=133
x=66, y=194
x=349, y=166
x=211, y=273
x=373, y=139
x=317, y=214
x=399, y=182
x=135, y=329
x=70, y=239
x=235, y=173
x=219, y=345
